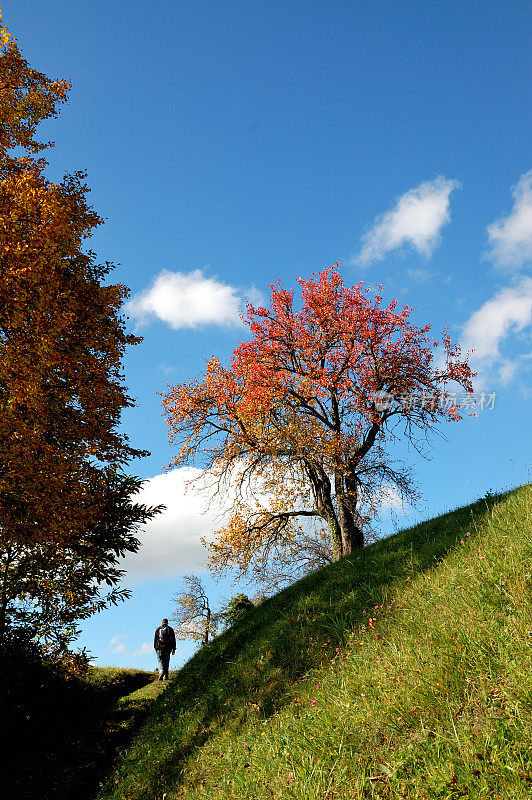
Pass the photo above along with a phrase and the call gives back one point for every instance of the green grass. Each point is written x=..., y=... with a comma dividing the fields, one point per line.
x=318, y=694
x=114, y=682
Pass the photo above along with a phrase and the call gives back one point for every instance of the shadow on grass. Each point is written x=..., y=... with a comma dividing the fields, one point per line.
x=252, y=668
x=66, y=744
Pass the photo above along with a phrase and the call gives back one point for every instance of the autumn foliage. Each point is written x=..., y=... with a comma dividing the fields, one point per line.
x=296, y=427
x=62, y=340
x=26, y=97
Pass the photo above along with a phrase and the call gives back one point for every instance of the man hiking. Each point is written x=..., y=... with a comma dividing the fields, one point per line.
x=164, y=644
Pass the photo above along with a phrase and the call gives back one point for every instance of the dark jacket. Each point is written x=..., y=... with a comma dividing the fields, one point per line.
x=157, y=644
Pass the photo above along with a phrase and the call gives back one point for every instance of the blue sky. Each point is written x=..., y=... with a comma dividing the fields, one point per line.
x=229, y=144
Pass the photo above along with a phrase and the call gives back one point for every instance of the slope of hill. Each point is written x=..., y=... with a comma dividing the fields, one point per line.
x=400, y=672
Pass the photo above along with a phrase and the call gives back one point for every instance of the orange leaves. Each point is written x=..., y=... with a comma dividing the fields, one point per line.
x=26, y=97
x=65, y=511
x=62, y=338
x=300, y=397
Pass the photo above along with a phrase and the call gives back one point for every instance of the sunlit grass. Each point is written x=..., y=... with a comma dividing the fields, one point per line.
x=402, y=672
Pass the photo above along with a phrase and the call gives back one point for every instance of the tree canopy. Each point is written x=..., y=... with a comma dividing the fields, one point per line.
x=193, y=616
x=48, y=588
x=64, y=518
x=236, y=609
x=300, y=420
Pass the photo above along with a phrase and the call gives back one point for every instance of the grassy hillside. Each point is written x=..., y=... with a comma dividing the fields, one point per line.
x=400, y=672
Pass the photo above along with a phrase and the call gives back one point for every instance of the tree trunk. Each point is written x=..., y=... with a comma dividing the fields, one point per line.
x=346, y=498
x=4, y=600
x=336, y=536
x=207, y=627
x=346, y=535
x=3, y=618
x=352, y=534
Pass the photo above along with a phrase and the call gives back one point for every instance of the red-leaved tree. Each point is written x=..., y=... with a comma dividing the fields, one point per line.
x=298, y=425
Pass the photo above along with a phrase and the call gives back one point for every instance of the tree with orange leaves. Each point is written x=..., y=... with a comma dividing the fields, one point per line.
x=63, y=494
x=298, y=425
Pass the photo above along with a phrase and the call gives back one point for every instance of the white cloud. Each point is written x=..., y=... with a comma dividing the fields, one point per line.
x=193, y=626
x=511, y=237
x=419, y=275
x=166, y=369
x=391, y=500
x=143, y=650
x=416, y=220
x=187, y=300
x=170, y=543
x=507, y=313
x=116, y=645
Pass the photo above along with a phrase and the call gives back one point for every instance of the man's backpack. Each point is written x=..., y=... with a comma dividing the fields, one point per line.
x=164, y=636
